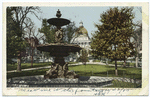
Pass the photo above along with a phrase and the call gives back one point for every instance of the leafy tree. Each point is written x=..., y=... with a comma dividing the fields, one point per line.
x=48, y=31
x=19, y=16
x=84, y=56
x=15, y=43
x=49, y=34
x=69, y=31
x=112, y=39
x=10, y=33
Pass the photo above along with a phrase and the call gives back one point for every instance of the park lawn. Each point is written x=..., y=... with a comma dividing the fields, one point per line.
x=103, y=70
x=27, y=65
x=27, y=73
x=120, y=84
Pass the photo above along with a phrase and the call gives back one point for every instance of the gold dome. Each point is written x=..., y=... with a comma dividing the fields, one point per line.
x=82, y=30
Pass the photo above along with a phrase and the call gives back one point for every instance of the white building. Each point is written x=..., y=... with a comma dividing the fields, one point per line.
x=37, y=56
x=82, y=39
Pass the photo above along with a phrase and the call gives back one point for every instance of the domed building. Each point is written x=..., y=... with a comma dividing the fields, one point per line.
x=81, y=38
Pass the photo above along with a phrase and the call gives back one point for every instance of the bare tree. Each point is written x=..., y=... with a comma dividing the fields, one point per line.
x=20, y=17
x=33, y=39
x=137, y=36
x=138, y=42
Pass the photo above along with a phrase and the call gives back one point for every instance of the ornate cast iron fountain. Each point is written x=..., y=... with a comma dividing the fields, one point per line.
x=59, y=50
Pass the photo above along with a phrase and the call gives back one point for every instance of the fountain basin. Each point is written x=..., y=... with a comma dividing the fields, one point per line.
x=59, y=49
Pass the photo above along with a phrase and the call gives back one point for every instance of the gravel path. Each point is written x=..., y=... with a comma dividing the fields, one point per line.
x=30, y=69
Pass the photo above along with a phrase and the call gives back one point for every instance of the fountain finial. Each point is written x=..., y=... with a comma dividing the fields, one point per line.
x=58, y=14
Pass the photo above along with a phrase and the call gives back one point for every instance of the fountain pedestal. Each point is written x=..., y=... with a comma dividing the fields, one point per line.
x=60, y=71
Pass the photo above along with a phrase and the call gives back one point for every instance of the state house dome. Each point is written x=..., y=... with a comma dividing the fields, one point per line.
x=81, y=37
x=81, y=30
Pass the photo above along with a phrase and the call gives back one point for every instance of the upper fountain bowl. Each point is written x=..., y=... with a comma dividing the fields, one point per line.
x=58, y=21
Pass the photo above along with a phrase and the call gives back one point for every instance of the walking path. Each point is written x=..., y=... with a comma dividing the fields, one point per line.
x=30, y=69
x=80, y=63
x=99, y=63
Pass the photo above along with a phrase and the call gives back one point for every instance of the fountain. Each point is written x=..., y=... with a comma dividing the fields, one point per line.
x=59, y=50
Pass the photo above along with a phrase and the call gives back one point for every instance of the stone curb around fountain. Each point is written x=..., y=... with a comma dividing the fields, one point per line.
x=39, y=81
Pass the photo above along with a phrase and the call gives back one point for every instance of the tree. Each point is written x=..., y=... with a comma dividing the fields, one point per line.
x=69, y=31
x=49, y=34
x=137, y=36
x=20, y=16
x=84, y=56
x=112, y=39
x=10, y=33
x=32, y=39
x=48, y=31
x=15, y=43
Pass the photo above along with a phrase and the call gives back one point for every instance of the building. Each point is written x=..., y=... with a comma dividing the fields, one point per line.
x=38, y=56
x=81, y=38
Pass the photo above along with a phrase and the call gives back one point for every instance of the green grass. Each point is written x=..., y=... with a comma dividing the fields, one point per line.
x=86, y=70
x=26, y=65
x=120, y=84
x=101, y=70
x=96, y=61
x=72, y=62
x=26, y=73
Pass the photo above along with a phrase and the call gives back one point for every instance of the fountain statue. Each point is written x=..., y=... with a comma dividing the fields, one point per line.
x=59, y=50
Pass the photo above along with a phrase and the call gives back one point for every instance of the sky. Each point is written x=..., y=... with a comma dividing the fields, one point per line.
x=88, y=15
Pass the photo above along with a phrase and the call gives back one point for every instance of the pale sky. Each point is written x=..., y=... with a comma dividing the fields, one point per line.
x=88, y=15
